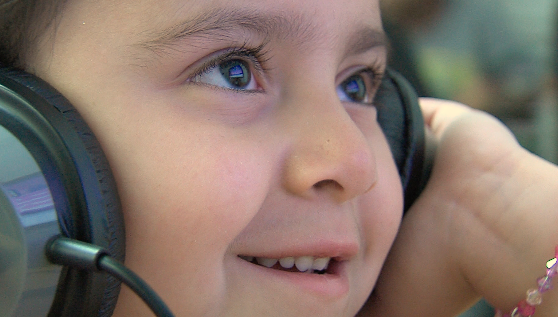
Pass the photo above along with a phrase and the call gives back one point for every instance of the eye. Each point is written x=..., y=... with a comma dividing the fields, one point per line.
x=353, y=89
x=234, y=74
x=238, y=69
x=359, y=88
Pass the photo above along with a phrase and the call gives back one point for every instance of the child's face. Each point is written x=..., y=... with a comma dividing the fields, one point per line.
x=232, y=134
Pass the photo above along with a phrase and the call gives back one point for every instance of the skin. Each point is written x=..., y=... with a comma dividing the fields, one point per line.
x=484, y=226
x=207, y=173
x=292, y=167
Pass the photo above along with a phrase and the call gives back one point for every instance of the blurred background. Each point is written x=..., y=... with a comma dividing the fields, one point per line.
x=496, y=55
x=500, y=56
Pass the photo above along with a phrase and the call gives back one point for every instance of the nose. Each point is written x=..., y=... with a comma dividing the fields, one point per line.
x=330, y=152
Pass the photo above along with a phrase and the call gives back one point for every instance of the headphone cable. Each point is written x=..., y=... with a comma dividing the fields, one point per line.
x=82, y=255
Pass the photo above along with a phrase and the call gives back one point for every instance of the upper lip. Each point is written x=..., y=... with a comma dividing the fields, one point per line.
x=341, y=251
x=302, y=229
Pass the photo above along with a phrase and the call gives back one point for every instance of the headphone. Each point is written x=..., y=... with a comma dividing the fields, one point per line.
x=55, y=182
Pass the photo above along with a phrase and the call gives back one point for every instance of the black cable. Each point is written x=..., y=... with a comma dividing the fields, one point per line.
x=136, y=284
x=86, y=256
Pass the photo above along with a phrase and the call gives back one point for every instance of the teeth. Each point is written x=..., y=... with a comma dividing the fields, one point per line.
x=247, y=258
x=266, y=262
x=303, y=263
x=320, y=264
x=287, y=262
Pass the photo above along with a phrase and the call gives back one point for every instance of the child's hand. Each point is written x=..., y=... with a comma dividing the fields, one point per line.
x=485, y=225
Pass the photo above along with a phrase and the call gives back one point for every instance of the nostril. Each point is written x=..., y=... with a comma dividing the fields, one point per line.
x=327, y=183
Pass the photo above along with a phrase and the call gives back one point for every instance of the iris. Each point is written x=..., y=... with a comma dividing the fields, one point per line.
x=355, y=88
x=236, y=72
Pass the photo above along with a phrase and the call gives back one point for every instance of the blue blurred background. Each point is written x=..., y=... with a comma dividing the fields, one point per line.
x=496, y=55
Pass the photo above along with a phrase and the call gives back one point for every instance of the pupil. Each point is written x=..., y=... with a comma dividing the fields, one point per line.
x=355, y=88
x=236, y=73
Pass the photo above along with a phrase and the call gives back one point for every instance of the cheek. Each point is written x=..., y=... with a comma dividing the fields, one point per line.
x=185, y=200
x=208, y=196
x=379, y=216
x=187, y=190
x=382, y=206
x=382, y=209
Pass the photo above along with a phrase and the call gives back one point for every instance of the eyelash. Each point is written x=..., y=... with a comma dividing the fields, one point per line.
x=257, y=57
x=375, y=74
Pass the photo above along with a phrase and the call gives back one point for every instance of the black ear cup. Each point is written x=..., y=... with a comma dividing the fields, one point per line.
x=401, y=119
x=79, y=179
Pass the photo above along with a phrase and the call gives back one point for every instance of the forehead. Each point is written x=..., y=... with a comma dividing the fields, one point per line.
x=170, y=32
x=160, y=20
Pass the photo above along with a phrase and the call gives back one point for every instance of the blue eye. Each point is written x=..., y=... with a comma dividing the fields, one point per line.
x=353, y=89
x=236, y=72
x=232, y=73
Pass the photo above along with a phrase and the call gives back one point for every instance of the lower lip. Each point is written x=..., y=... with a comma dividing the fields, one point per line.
x=330, y=286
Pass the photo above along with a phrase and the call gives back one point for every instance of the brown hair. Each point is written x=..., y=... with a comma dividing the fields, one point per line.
x=22, y=23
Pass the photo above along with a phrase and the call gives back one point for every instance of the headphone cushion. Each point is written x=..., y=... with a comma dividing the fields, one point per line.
x=401, y=119
x=106, y=223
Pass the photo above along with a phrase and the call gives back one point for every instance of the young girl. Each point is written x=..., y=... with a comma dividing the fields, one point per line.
x=243, y=159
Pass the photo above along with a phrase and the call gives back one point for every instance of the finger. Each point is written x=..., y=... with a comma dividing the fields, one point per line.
x=439, y=114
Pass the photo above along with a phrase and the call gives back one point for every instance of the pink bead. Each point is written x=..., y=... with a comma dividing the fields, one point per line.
x=525, y=309
x=516, y=313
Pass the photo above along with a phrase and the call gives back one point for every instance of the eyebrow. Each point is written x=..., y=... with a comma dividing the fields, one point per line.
x=222, y=25
x=364, y=40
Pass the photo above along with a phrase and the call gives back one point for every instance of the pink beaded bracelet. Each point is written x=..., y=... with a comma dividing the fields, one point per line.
x=526, y=307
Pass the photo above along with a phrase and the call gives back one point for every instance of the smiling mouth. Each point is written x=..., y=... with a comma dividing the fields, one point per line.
x=302, y=264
